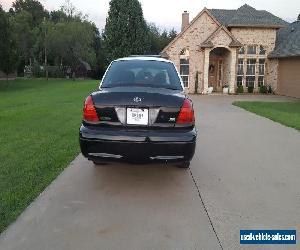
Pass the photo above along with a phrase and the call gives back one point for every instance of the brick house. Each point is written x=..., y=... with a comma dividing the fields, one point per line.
x=226, y=47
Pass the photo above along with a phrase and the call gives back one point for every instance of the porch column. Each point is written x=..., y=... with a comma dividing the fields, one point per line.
x=232, y=82
x=206, y=68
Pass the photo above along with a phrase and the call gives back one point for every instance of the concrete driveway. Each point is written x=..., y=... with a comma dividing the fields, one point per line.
x=245, y=175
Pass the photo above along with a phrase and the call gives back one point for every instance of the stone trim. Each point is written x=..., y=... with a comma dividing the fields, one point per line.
x=208, y=41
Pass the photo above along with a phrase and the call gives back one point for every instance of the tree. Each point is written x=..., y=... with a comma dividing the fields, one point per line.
x=101, y=62
x=25, y=36
x=8, y=54
x=125, y=30
x=34, y=7
x=58, y=16
x=72, y=13
x=159, y=39
x=71, y=42
x=298, y=17
x=172, y=34
x=154, y=37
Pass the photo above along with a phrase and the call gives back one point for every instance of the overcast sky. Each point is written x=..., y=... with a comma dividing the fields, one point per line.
x=167, y=13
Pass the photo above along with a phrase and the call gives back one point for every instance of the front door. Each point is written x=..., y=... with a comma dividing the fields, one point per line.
x=215, y=77
x=220, y=76
x=212, y=79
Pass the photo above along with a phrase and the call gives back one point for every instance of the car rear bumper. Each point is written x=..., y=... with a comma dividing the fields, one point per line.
x=141, y=146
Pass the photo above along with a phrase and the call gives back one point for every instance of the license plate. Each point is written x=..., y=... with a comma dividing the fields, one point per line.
x=137, y=116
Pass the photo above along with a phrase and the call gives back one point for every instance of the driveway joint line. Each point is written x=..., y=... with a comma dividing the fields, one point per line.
x=205, y=209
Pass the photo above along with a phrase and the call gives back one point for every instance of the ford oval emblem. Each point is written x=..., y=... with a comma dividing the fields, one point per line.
x=137, y=99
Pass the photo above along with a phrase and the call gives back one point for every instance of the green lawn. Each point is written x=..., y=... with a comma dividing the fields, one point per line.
x=286, y=113
x=39, y=123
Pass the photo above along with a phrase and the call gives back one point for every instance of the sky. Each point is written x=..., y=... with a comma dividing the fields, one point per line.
x=167, y=13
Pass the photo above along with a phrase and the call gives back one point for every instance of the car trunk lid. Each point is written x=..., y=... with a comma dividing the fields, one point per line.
x=159, y=107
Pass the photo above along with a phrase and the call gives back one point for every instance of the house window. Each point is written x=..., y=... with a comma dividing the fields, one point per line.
x=261, y=67
x=262, y=50
x=240, y=72
x=261, y=81
x=251, y=66
x=239, y=80
x=250, y=74
x=185, y=67
x=250, y=80
x=251, y=50
x=242, y=51
x=185, y=80
x=261, y=72
x=240, y=67
x=184, y=71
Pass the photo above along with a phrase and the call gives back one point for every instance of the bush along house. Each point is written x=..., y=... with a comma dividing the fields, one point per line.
x=227, y=48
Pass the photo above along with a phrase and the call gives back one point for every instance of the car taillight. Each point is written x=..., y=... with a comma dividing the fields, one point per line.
x=186, y=114
x=89, y=111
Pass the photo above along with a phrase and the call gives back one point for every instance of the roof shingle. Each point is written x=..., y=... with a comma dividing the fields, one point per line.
x=247, y=16
x=287, y=41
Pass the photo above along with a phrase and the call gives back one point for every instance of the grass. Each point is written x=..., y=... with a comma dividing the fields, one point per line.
x=286, y=113
x=39, y=123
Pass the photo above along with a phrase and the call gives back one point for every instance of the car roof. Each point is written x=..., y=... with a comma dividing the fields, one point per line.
x=143, y=58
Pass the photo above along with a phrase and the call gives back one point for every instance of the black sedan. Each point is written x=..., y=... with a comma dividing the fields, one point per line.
x=139, y=114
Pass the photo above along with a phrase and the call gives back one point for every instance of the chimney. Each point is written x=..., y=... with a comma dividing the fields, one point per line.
x=185, y=20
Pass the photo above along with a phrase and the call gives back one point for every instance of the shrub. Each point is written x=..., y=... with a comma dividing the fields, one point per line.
x=37, y=71
x=263, y=89
x=240, y=89
x=56, y=72
x=250, y=89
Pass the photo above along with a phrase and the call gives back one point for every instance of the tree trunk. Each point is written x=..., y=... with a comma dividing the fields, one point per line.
x=46, y=63
x=7, y=82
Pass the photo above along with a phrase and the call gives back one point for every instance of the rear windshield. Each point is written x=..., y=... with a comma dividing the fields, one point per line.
x=141, y=73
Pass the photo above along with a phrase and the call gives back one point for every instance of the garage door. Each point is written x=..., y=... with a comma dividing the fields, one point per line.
x=289, y=77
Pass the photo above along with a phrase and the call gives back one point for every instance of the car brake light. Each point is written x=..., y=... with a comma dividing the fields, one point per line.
x=186, y=114
x=89, y=111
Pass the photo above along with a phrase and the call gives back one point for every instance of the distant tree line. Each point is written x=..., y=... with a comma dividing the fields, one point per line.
x=31, y=36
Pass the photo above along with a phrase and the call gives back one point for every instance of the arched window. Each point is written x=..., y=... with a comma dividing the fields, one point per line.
x=185, y=67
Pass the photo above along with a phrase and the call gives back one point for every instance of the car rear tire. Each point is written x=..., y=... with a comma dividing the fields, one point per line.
x=185, y=164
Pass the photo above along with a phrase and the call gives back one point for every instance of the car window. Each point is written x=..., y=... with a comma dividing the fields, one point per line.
x=141, y=73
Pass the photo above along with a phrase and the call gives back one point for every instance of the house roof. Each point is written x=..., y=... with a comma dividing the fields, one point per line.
x=247, y=16
x=287, y=41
